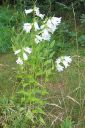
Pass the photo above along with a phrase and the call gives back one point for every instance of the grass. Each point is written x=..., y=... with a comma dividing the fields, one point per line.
x=10, y=19
x=66, y=89
x=7, y=74
x=68, y=92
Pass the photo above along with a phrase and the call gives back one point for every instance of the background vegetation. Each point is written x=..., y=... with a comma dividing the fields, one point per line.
x=66, y=99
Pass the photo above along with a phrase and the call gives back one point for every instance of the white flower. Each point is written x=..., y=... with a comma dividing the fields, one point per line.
x=38, y=39
x=28, y=11
x=59, y=68
x=65, y=60
x=58, y=61
x=68, y=59
x=27, y=27
x=17, y=51
x=19, y=61
x=25, y=56
x=56, y=21
x=37, y=12
x=52, y=24
x=52, y=29
x=46, y=35
x=28, y=50
x=49, y=23
x=65, y=63
x=41, y=16
x=36, y=26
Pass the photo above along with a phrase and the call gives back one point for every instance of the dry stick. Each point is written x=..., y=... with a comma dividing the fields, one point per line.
x=77, y=45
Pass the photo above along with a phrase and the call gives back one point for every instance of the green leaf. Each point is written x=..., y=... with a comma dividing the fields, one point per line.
x=30, y=115
x=67, y=123
x=38, y=110
x=48, y=62
x=52, y=44
x=42, y=120
x=51, y=55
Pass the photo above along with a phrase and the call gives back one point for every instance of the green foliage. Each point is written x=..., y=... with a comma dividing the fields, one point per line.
x=32, y=76
x=67, y=123
x=81, y=40
x=5, y=39
x=27, y=107
x=9, y=19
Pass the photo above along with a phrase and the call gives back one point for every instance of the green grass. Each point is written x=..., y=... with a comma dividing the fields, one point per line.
x=7, y=74
x=67, y=89
x=10, y=20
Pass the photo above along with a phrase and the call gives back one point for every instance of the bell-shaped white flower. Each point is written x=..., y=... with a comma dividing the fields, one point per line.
x=58, y=61
x=49, y=23
x=65, y=63
x=17, y=51
x=41, y=16
x=56, y=21
x=27, y=27
x=46, y=35
x=36, y=26
x=19, y=61
x=59, y=68
x=25, y=56
x=38, y=39
x=64, y=60
x=68, y=59
x=28, y=11
x=37, y=12
x=28, y=50
x=52, y=24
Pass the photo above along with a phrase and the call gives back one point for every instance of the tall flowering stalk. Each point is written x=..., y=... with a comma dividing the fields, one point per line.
x=34, y=49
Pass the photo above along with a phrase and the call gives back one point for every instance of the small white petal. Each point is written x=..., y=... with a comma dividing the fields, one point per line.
x=27, y=27
x=37, y=12
x=28, y=11
x=17, y=51
x=38, y=39
x=36, y=9
x=19, y=61
x=36, y=26
x=68, y=59
x=41, y=16
x=49, y=23
x=46, y=35
x=58, y=61
x=56, y=21
x=28, y=50
x=25, y=57
x=59, y=68
x=65, y=63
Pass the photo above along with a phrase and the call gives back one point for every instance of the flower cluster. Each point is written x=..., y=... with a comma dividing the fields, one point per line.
x=63, y=62
x=45, y=30
x=36, y=11
x=23, y=54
